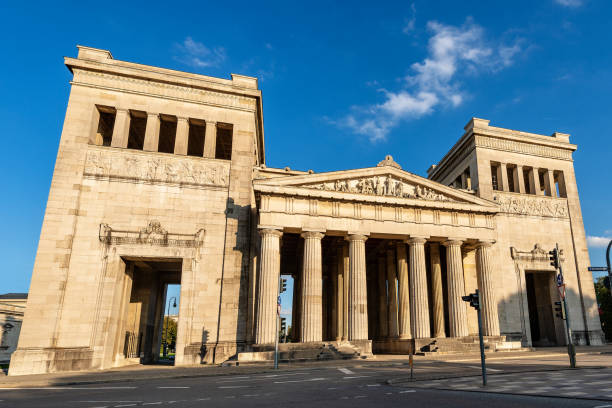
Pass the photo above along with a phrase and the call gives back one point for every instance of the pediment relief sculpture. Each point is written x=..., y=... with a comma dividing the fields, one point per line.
x=380, y=186
x=152, y=234
x=524, y=205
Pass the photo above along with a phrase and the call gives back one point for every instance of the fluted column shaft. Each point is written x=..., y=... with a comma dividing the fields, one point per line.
x=312, y=291
x=382, y=299
x=488, y=300
x=437, y=296
x=121, y=128
x=181, y=142
x=419, y=303
x=457, y=314
x=340, y=294
x=151, y=140
x=358, y=297
x=392, y=293
x=269, y=272
x=210, y=139
x=405, y=331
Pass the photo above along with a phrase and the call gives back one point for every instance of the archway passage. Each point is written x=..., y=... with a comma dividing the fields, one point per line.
x=546, y=329
x=145, y=311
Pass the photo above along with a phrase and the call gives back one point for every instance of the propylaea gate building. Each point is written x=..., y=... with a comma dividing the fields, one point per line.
x=161, y=179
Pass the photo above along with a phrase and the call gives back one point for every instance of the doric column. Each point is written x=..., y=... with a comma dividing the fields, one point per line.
x=550, y=183
x=419, y=304
x=534, y=181
x=340, y=292
x=404, y=311
x=519, y=179
x=312, y=292
x=347, y=272
x=504, y=177
x=358, y=297
x=437, y=296
x=392, y=293
x=488, y=300
x=456, y=288
x=210, y=139
x=121, y=128
x=182, y=135
x=269, y=271
x=382, y=299
x=151, y=141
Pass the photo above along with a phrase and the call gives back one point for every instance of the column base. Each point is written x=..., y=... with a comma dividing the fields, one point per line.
x=51, y=360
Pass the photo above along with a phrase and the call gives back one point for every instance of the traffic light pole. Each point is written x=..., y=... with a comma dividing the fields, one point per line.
x=482, y=352
x=277, y=324
x=571, y=350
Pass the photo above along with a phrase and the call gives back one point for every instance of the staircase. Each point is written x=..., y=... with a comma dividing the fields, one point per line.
x=460, y=345
x=299, y=352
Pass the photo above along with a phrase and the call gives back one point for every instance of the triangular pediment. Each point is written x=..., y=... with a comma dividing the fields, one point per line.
x=383, y=181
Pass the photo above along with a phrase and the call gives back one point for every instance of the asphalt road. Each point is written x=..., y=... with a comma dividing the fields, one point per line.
x=352, y=385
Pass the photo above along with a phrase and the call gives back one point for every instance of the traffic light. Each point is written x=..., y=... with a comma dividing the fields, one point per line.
x=283, y=326
x=474, y=300
x=560, y=310
x=283, y=286
x=554, y=258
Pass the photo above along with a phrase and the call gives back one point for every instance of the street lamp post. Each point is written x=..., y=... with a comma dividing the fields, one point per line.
x=166, y=331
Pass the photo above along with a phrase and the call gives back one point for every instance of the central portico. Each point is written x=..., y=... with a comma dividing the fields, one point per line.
x=377, y=254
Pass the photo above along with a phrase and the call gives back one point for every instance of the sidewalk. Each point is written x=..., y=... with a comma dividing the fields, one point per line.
x=140, y=372
x=588, y=383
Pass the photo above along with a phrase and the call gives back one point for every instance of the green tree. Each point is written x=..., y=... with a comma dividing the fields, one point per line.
x=170, y=325
x=604, y=300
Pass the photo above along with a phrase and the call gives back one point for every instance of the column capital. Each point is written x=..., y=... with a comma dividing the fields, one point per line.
x=270, y=231
x=453, y=242
x=416, y=240
x=312, y=235
x=485, y=243
x=156, y=114
x=182, y=118
x=211, y=122
x=356, y=237
x=122, y=110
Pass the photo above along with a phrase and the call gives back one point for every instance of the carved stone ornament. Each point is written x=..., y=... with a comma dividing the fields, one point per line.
x=525, y=205
x=380, y=186
x=152, y=234
x=536, y=254
x=389, y=162
x=129, y=166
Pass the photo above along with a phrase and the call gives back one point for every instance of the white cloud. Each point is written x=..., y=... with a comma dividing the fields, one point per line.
x=410, y=22
x=598, y=242
x=569, y=3
x=196, y=54
x=453, y=51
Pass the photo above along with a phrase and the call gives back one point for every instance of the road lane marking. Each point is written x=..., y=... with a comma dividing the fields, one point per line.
x=373, y=385
x=345, y=371
x=170, y=387
x=152, y=403
x=403, y=392
x=234, y=386
x=355, y=376
x=296, y=381
x=66, y=388
x=125, y=405
x=488, y=369
x=360, y=396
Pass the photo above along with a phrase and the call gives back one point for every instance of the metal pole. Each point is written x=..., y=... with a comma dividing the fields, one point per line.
x=571, y=350
x=608, y=262
x=482, y=353
x=277, y=325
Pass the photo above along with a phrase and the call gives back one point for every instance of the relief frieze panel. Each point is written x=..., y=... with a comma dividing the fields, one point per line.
x=522, y=147
x=129, y=165
x=380, y=186
x=532, y=205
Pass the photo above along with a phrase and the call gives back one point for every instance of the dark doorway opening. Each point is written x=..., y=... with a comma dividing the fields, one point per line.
x=541, y=295
x=146, y=309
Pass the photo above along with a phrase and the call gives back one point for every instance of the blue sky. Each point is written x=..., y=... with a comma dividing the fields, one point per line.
x=343, y=84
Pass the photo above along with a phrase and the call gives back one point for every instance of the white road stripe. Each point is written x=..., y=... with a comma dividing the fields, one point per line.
x=67, y=388
x=296, y=381
x=403, y=392
x=488, y=369
x=152, y=403
x=355, y=376
x=233, y=386
x=171, y=387
x=346, y=371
